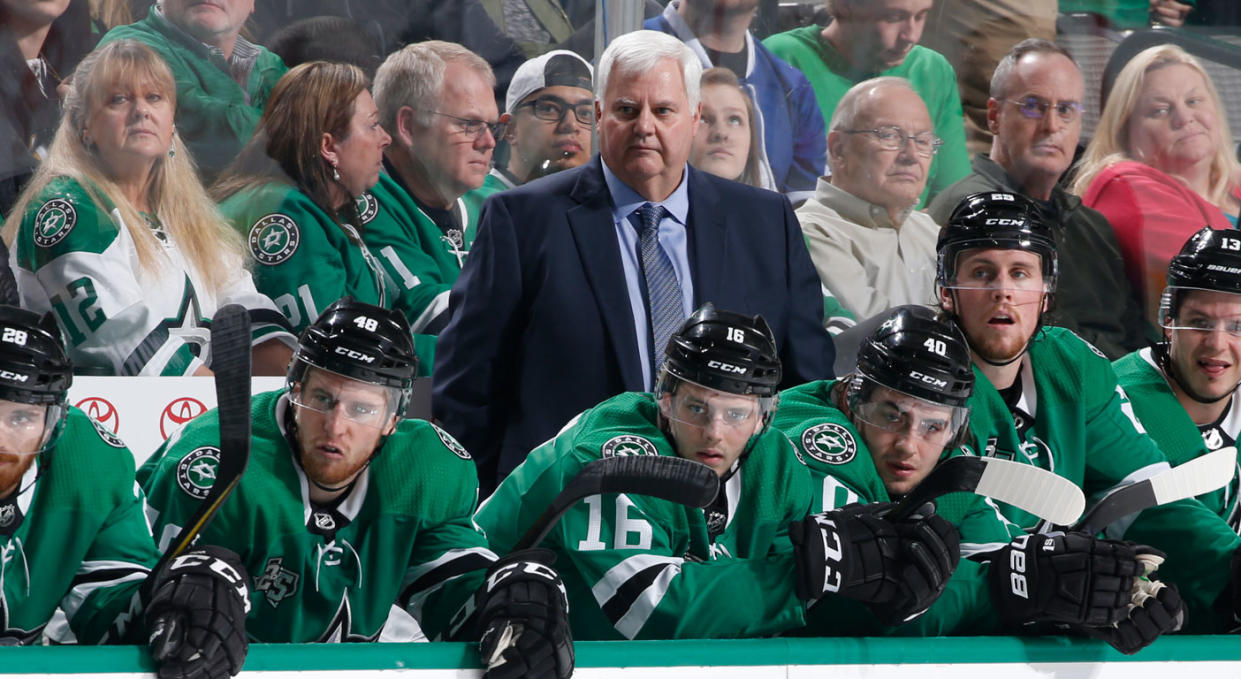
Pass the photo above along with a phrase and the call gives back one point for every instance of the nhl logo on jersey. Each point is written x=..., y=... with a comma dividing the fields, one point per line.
x=8, y=513
x=54, y=222
x=368, y=207
x=196, y=471
x=830, y=443
x=628, y=444
x=323, y=521
x=274, y=239
x=452, y=444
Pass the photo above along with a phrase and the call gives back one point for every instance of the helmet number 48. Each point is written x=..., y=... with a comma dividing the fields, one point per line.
x=366, y=323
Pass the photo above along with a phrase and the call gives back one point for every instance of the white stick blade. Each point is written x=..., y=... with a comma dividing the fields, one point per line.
x=1195, y=477
x=1034, y=490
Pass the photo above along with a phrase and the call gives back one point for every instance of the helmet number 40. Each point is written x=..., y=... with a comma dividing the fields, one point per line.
x=936, y=346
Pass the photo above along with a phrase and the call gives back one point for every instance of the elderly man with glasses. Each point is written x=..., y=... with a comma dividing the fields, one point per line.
x=871, y=248
x=1035, y=115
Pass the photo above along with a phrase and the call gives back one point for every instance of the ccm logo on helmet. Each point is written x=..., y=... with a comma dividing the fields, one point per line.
x=1004, y=221
x=357, y=355
x=927, y=379
x=726, y=367
x=14, y=377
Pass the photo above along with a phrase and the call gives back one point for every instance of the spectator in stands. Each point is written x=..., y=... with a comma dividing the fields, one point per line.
x=116, y=234
x=869, y=38
x=1133, y=14
x=727, y=144
x=223, y=80
x=292, y=191
x=789, y=128
x=1161, y=165
x=535, y=25
x=872, y=249
x=550, y=113
x=550, y=315
x=1035, y=113
x=40, y=43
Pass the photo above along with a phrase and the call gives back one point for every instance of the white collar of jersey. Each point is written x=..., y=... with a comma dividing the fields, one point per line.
x=732, y=494
x=352, y=504
x=1028, y=403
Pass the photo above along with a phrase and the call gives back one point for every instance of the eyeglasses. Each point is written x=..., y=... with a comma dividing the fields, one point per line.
x=889, y=417
x=361, y=412
x=1230, y=326
x=697, y=413
x=893, y=138
x=1035, y=108
x=473, y=128
x=553, y=109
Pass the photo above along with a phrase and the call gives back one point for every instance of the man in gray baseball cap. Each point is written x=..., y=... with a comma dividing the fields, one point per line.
x=550, y=111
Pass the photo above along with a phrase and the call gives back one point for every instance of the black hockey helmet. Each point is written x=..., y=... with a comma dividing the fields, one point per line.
x=723, y=350
x=916, y=353
x=34, y=367
x=1209, y=260
x=360, y=341
x=1001, y=221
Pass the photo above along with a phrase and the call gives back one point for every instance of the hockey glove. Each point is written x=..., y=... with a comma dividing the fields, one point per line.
x=1071, y=578
x=1155, y=608
x=897, y=569
x=523, y=612
x=197, y=615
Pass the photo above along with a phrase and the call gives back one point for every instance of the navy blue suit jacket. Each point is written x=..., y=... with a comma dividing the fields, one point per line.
x=541, y=327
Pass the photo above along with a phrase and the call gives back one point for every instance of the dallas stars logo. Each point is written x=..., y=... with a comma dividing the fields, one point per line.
x=627, y=444
x=196, y=471
x=451, y=443
x=340, y=629
x=367, y=206
x=830, y=443
x=55, y=220
x=274, y=239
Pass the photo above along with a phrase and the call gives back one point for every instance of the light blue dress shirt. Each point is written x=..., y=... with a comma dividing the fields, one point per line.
x=672, y=238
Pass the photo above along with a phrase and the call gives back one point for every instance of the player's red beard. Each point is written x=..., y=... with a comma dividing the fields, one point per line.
x=12, y=467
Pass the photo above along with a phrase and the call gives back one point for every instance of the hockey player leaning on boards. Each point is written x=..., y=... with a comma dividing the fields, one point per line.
x=347, y=511
x=875, y=435
x=72, y=533
x=1198, y=365
x=641, y=567
x=1046, y=397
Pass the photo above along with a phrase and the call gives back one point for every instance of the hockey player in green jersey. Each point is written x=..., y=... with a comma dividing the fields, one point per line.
x=347, y=511
x=875, y=435
x=1045, y=397
x=72, y=532
x=1184, y=389
x=641, y=567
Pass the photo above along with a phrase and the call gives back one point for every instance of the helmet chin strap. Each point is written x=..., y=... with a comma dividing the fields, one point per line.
x=1164, y=359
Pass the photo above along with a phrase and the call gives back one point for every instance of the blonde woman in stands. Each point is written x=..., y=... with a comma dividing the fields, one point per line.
x=118, y=238
x=1161, y=165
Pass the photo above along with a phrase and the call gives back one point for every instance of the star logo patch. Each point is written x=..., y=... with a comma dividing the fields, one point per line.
x=196, y=471
x=627, y=444
x=274, y=239
x=830, y=443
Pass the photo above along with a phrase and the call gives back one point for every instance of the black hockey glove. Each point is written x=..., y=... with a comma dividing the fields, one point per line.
x=1155, y=608
x=897, y=568
x=1071, y=578
x=523, y=615
x=196, y=619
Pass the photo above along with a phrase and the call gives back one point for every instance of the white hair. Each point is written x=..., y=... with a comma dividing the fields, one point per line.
x=642, y=51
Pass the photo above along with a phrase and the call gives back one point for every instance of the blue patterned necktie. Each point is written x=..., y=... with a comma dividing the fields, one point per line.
x=663, y=292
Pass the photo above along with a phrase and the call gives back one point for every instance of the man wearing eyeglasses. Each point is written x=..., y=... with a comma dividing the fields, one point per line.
x=873, y=251
x=550, y=111
x=1035, y=115
x=1184, y=389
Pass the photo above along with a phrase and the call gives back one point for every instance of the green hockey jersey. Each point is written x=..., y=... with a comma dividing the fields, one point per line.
x=83, y=544
x=641, y=567
x=1159, y=411
x=844, y=473
x=303, y=258
x=1073, y=419
x=402, y=535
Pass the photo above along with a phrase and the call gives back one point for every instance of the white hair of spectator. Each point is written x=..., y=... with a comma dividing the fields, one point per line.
x=640, y=52
x=846, y=110
x=414, y=76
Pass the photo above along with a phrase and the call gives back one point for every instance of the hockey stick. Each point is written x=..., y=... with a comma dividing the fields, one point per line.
x=1025, y=487
x=230, y=351
x=1190, y=479
x=668, y=478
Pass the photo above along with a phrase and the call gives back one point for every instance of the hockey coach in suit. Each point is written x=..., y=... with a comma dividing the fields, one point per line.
x=576, y=281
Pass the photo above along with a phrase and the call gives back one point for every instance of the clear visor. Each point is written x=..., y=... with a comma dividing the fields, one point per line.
x=900, y=413
x=329, y=393
x=698, y=406
x=27, y=428
x=1210, y=318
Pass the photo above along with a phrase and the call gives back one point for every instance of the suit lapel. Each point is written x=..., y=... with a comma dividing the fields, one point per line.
x=707, y=242
x=591, y=224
